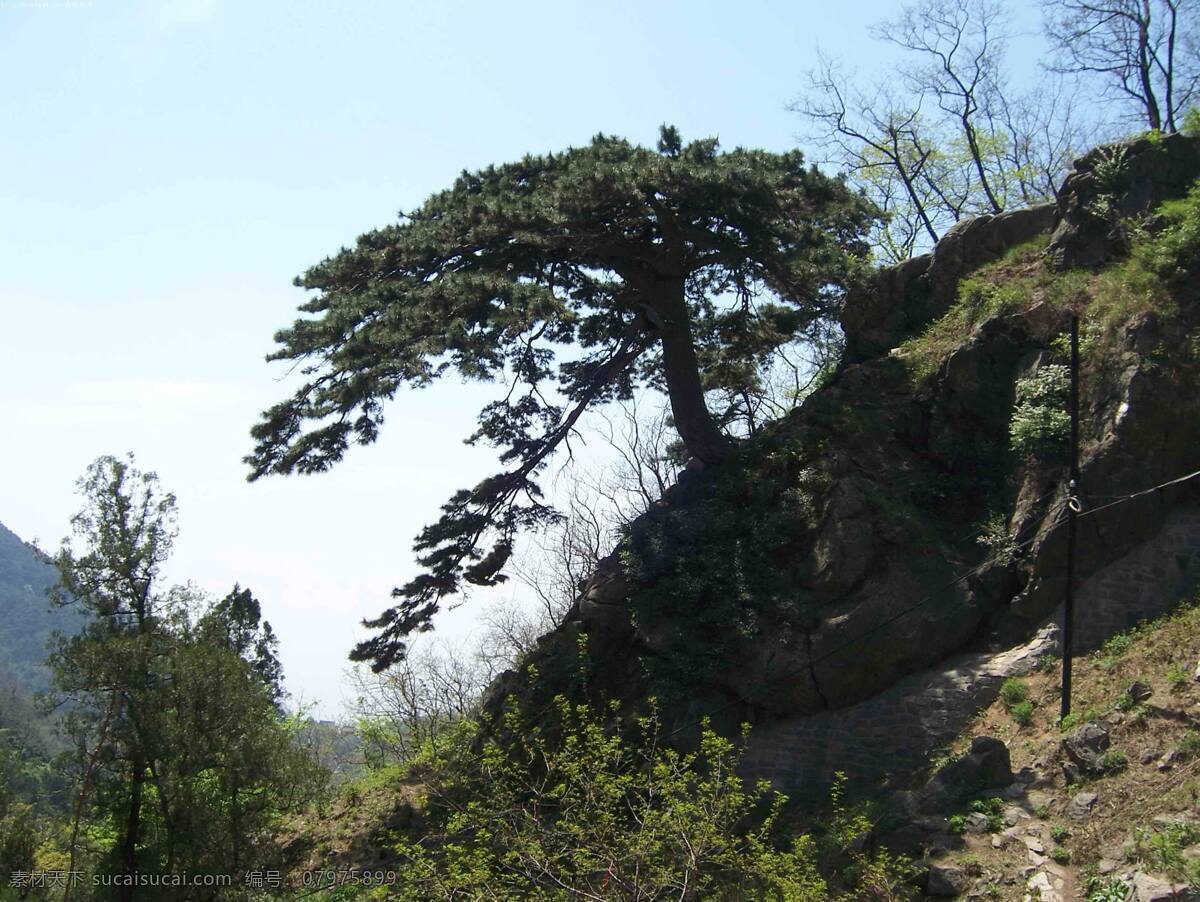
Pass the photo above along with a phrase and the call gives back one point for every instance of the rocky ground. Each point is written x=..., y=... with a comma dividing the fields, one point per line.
x=1106, y=809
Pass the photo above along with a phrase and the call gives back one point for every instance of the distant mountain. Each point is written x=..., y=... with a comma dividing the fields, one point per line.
x=27, y=616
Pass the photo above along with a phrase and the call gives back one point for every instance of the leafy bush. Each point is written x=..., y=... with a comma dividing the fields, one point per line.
x=1061, y=855
x=1163, y=850
x=1117, y=645
x=1179, y=678
x=1040, y=423
x=1015, y=695
x=1113, y=761
x=1174, y=252
x=998, y=540
x=1059, y=832
x=1013, y=691
x=1191, y=122
x=1189, y=746
x=1111, y=174
x=564, y=805
x=1022, y=713
x=1111, y=889
x=993, y=810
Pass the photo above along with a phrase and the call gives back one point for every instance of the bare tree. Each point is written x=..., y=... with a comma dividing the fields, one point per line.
x=881, y=143
x=411, y=704
x=414, y=702
x=1148, y=51
x=958, y=45
x=1038, y=134
x=950, y=139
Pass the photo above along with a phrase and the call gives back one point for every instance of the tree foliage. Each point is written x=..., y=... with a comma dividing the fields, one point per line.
x=570, y=808
x=181, y=756
x=576, y=277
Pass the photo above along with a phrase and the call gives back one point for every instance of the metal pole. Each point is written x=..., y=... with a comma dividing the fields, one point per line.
x=1072, y=509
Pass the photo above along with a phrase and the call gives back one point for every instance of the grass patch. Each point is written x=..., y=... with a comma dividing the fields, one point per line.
x=1189, y=746
x=1015, y=695
x=1004, y=286
x=1107, y=299
x=1114, y=761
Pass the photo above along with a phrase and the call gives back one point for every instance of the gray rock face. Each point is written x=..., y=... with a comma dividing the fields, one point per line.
x=947, y=882
x=903, y=299
x=1147, y=172
x=880, y=609
x=1153, y=889
x=1081, y=805
x=1086, y=746
x=987, y=766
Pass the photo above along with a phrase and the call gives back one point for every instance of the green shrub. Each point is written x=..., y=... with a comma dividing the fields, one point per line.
x=993, y=810
x=1113, y=761
x=563, y=805
x=1015, y=695
x=958, y=823
x=1117, y=645
x=1061, y=855
x=1189, y=746
x=1040, y=424
x=1022, y=713
x=1175, y=251
x=1179, y=678
x=1191, y=122
x=1110, y=889
x=1059, y=833
x=1163, y=850
x=996, y=538
x=1013, y=691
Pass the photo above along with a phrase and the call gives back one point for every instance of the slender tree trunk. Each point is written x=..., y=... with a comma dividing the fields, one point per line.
x=1144, y=72
x=1170, y=73
x=907, y=180
x=695, y=424
x=977, y=156
x=132, y=828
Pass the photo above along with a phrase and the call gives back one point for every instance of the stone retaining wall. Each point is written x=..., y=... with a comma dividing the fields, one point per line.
x=885, y=738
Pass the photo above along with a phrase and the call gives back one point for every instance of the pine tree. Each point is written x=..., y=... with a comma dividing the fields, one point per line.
x=630, y=258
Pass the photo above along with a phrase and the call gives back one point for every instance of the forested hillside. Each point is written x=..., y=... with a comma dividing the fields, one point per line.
x=28, y=618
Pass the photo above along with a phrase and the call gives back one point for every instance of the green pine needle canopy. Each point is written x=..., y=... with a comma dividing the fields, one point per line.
x=638, y=267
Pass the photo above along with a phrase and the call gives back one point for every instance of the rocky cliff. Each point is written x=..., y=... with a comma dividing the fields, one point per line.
x=912, y=508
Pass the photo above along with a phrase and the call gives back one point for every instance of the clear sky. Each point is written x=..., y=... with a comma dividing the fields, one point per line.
x=167, y=168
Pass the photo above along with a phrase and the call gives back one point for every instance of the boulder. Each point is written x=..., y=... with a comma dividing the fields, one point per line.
x=1153, y=889
x=947, y=881
x=1081, y=805
x=1146, y=171
x=986, y=766
x=1086, y=746
x=902, y=299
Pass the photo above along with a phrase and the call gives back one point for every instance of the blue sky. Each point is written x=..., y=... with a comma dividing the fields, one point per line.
x=168, y=167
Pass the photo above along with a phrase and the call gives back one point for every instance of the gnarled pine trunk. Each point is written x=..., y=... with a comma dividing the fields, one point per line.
x=681, y=370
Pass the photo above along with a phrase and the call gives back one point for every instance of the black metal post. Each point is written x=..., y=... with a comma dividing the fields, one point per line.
x=1072, y=509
